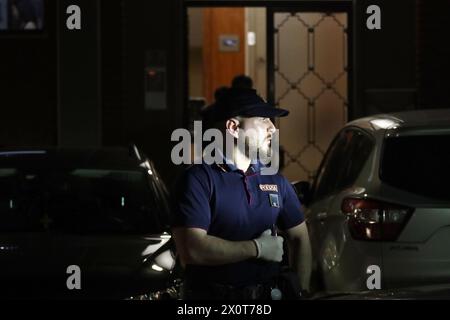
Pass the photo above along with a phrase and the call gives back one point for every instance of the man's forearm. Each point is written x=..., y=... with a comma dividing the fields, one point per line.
x=210, y=250
x=216, y=251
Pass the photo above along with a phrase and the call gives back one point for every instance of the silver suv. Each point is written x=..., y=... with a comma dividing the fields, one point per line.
x=382, y=198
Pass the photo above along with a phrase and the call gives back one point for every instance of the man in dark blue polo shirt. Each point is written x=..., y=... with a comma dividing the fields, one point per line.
x=226, y=213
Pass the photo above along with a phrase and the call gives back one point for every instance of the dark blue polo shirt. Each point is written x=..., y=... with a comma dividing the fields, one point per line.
x=236, y=206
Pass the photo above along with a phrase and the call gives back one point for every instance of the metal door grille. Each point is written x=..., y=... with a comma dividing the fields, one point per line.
x=309, y=69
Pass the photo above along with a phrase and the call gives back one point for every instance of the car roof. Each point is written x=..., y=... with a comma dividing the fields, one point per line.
x=397, y=120
x=69, y=157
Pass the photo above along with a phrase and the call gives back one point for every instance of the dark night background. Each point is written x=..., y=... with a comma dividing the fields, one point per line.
x=86, y=87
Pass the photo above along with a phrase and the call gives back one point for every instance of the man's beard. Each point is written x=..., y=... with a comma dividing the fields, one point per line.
x=254, y=150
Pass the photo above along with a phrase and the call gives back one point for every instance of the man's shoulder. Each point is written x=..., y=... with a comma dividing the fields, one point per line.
x=200, y=168
x=192, y=177
x=199, y=171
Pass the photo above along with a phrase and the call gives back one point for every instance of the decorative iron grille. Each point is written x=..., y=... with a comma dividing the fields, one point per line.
x=310, y=65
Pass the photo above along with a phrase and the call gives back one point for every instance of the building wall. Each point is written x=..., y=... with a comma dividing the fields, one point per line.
x=79, y=102
x=153, y=26
x=433, y=54
x=28, y=87
x=256, y=56
x=385, y=60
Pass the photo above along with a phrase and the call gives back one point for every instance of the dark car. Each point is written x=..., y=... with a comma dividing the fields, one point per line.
x=82, y=223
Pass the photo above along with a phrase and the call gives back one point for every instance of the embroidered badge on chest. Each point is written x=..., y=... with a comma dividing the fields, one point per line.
x=269, y=187
x=274, y=202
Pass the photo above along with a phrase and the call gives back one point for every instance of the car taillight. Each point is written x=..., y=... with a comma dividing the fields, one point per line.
x=375, y=220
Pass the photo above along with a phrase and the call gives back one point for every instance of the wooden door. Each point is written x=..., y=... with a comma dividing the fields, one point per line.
x=223, y=47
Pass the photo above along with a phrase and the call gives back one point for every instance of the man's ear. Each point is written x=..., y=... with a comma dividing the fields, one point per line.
x=232, y=126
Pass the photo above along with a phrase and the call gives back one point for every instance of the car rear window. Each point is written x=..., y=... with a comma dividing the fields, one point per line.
x=418, y=164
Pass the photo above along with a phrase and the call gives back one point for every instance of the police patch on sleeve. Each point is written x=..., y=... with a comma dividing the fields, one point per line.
x=274, y=202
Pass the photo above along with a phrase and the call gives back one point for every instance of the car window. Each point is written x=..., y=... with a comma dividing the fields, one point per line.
x=418, y=164
x=331, y=165
x=79, y=200
x=356, y=154
x=343, y=162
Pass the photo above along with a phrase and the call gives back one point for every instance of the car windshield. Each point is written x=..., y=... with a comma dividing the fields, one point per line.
x=418, y=164
x=78, y=200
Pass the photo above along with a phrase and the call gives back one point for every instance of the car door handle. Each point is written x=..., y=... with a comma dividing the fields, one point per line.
x=322, y=215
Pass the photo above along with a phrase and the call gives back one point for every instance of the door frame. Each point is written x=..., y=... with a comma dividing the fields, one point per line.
x=271, y=6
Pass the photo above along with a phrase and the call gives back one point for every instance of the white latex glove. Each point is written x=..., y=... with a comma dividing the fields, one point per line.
x=270, y=247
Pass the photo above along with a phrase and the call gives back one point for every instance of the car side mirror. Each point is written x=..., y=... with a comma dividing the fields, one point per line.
x=303, y=191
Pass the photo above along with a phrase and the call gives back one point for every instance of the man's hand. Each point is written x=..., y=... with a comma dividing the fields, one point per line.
x=270, y=247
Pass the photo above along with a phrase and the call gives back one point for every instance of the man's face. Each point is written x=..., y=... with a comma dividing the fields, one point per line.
x=260, y=131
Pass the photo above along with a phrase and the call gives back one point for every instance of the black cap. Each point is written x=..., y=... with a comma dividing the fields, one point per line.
x=245, y=102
